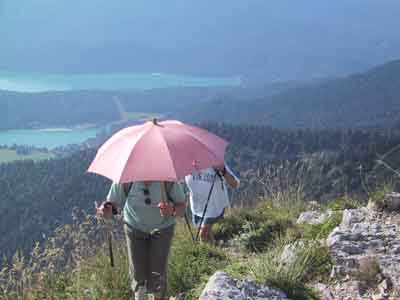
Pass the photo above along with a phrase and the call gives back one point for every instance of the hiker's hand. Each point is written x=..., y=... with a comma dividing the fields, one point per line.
x=221, y=170
x=166, y=210
x=104, y=210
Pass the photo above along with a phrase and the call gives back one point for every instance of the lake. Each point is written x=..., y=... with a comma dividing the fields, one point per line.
x=42, y=82
x=46, y=138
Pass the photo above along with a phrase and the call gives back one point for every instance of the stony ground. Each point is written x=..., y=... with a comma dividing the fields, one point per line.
x=365, y=250
x=222, y=286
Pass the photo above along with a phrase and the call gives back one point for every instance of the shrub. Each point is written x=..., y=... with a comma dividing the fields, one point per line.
x=257, y=237
x=321, y=231
x=96, y=279
x=191, y=265
x=291, y=277
x=343, y=203
x=378, y=197
x=368, y=270
x=234, y=223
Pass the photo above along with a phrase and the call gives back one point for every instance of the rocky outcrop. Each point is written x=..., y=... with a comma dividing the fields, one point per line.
x=314, y=217
x=392, y=202
x=221, y=286
x=365, y=249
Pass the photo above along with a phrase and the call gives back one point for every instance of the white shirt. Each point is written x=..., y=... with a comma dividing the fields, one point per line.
x=199, y=184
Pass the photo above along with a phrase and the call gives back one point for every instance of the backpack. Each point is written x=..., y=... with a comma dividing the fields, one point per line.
x=168, y=187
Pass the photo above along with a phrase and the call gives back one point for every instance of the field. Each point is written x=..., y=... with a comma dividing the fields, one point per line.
x=7, y=155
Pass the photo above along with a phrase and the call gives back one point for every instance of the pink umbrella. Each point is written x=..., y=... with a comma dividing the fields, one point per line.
x=158, y=151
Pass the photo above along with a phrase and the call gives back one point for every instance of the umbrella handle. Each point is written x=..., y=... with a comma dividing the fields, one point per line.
x=163, y=191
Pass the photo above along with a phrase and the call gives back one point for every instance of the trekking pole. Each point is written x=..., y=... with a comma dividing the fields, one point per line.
x=109, y=239
x=110, y=246
x=189, y=227
x=205, y=208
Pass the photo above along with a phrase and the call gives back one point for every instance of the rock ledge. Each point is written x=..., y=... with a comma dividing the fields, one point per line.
x=221, y=286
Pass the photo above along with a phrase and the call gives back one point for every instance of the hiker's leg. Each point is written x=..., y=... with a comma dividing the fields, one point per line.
x=159, y=251
x=211, y=235
x=138, y=256
x=205, y=235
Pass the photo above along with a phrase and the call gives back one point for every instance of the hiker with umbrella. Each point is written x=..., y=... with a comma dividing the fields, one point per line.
x=149, y=227
x=145, y=162
x=208, y=190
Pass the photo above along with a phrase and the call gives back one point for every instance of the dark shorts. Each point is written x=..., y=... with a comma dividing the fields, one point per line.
x=207, y=221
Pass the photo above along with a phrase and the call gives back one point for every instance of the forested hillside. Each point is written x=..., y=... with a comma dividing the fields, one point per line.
x=37, y=196
x=20, y=110
x=367, y=99
x=71, y=108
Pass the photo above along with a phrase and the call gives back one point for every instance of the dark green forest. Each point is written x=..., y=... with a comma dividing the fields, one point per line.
x=368, y=99
x=39, y=196
x=52, y=109
x=71, y=108
x=36, y=197
x=365, y=100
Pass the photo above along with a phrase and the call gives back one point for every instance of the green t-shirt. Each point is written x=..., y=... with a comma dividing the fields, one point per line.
x=139, y=214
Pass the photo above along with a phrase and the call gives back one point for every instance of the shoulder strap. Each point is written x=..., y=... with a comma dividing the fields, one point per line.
x=217, y=173
x=168, y=188
x=127, y=188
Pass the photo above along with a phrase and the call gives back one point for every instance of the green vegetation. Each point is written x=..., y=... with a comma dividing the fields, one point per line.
x=291, y=277
x=38, y=196
x=331, y=103
x=56, y=109
x=318, y=105
x=143, y=116
x=280, y=171
x=191, y=264
x=74, y=263
x=286, y=166
x=7, y=155
x=344, y=202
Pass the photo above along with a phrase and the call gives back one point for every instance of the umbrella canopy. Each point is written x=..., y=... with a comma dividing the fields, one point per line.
x=158, y=151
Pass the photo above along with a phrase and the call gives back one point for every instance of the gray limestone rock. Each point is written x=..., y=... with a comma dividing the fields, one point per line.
x=314, y=217
x=367, y=236
x=221, y=286
x=392, y=201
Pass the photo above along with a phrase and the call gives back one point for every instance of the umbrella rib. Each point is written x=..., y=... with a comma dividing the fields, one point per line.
x=143, y=134
x=200, y=142
x=169, y=152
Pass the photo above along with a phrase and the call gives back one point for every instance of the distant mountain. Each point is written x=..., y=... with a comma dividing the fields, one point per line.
x=268, y=40
x=366, y=99
x=71, y=108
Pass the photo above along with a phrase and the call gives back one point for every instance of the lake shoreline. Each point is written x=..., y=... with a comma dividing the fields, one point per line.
x=49, y=138
x=25, y=82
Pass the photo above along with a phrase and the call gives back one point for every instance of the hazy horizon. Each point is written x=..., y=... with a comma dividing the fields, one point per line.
x=278, y=40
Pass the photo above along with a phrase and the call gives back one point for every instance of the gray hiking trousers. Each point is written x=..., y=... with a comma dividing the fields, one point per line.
x=148, y=259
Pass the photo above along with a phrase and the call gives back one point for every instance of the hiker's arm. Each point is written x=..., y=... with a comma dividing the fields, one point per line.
x=112, y=204
x=180, y=209
x=179, y=198
x=229, y=177
x=107, y=209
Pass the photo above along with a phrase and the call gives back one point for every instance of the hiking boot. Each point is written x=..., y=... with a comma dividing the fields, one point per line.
x=141, y=293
